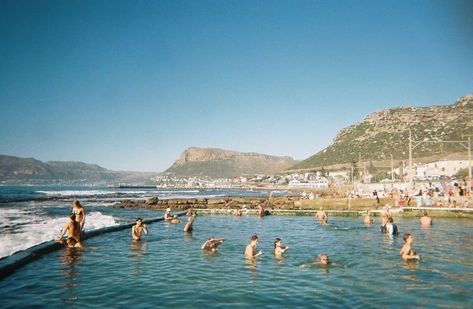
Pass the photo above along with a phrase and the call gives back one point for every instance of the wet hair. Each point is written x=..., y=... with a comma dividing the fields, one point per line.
x=254, y=237
x=76, y=203
x=406, y=236
x=390, y=220
x=139, y=219
x=276, y=241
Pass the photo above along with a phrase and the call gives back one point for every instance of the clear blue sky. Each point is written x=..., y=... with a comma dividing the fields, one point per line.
x=130, y=84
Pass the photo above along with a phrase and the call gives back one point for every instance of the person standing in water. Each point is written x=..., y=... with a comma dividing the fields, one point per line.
x=250, y=251
x=189, y=225
x=279, y=248
x=138, y=229
x=321, y=215
x=368, y=219
x=425, y=220
x=406, y=252
x=260, y=210
x=79, y=213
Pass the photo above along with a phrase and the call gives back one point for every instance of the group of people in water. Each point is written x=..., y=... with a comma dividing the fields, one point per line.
x=75, y=226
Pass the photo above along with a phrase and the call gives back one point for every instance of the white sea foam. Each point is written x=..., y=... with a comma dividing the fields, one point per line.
x=66, y=193
x=22, y=229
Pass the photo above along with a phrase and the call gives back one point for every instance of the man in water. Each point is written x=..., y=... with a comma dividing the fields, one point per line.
x=212, y=244
x=250, y=251
x=73, y=230
x=425, y=220
x=368, y=219
x=138, y=229
x=406, y=252
x=321, y=215
x=391, y=228
x=79, y=212
x=322, y=260
x=189, y=225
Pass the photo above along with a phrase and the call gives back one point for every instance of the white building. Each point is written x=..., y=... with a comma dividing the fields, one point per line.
x=439, y=168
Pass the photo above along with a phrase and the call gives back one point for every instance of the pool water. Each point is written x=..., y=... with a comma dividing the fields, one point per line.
x=168, y=269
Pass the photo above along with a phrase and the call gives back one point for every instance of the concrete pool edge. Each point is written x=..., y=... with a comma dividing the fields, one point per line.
x=9, y=264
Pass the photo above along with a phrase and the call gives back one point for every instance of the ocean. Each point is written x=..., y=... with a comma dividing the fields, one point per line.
x=30, y=215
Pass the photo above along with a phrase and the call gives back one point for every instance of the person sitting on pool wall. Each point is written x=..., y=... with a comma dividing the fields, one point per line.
x=406, y=252
x=138, y=229
x=73, y=230
x=212, y=244
x=250, y=251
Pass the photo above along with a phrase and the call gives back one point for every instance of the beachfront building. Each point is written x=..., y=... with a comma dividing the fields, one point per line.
x=447, y=168
x=318, y=183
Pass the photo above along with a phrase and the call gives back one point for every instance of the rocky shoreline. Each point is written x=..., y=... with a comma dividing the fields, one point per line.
x=290, y=205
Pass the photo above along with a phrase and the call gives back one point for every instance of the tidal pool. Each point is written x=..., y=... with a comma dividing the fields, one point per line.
x=168, y=269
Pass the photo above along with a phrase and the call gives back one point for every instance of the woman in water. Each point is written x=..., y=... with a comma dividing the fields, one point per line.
x=279, y=248
x=406, y=252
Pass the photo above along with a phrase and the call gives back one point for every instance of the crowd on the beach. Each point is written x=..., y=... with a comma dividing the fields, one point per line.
x=75, y=225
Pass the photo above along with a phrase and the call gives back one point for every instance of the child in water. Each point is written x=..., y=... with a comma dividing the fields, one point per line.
x=279, y=248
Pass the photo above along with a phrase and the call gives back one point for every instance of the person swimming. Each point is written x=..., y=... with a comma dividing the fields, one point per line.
x=212, y=244
x=175, y=220
x=406, y=252
x=279, y=248
x=321, y=260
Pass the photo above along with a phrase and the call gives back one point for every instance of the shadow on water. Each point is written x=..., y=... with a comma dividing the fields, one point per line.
x=138, y=250
x=70, y=260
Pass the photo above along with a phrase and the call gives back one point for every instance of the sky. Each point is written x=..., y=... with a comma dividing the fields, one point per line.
x=129, y=85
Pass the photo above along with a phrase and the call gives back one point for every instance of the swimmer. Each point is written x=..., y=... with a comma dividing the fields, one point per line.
x=425, y=220
x=138, y=229
x=72, y=228
x=406, y=251
x=322, y=216
x=250, y=251
x=212, y=244
x=189, y=225
x=279, y=248
x=175, y=220
x=368, y=219
x=79, y=212
x=322, y=260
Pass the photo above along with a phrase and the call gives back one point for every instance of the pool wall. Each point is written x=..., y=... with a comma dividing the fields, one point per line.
x=9, y=264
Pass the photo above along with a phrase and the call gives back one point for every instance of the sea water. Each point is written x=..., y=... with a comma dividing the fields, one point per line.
x=168, y=269
x=30, y=215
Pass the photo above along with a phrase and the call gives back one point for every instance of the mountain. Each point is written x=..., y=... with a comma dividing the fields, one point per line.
x=16, y=169
x=386, y=133
x=219, y=163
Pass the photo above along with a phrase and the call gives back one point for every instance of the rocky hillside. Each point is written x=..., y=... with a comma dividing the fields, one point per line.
x=218, y=163
x=386, y=133
x=26, y=170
